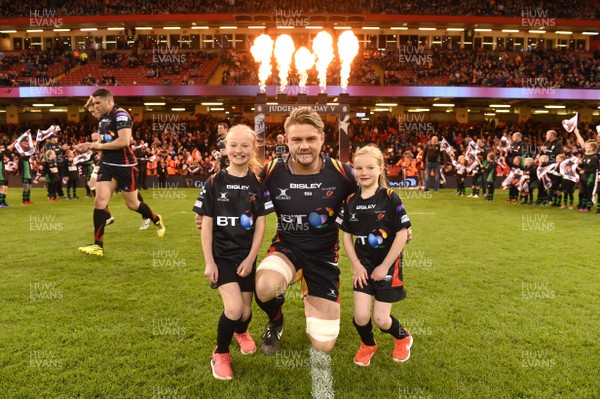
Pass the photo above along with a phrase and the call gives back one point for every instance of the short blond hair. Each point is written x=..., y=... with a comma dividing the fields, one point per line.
x=304, y=116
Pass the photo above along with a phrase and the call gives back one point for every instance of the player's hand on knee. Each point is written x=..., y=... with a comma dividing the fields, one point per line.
x=409, y=235
x=199, y=222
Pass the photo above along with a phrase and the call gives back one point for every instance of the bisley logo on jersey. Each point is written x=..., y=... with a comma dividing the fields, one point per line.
x=363, y=207
x=292, y=222
x=303, y=186
x=237, y=187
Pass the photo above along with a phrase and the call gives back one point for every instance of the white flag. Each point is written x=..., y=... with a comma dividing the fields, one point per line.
x=445, y=146
x=43, y=134
x=24, y=144
x=82, y=158
x=570, y=124
x=568, y=169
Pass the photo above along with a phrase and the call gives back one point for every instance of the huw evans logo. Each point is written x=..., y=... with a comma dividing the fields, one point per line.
x=416, y=55
x=537, y=86
x=536, y=18
x=290, y=18
x=162, y=122
x=167, y=55
x=45, y=18
x=414, y=122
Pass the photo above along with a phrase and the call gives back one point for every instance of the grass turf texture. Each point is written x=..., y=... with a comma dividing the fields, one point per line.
x=502, y=303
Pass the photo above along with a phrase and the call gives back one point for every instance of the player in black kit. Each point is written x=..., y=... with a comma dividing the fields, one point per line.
x=221, y=133
x=307, y=191
x=117, y=170
x=377, y=219
x=234, y=205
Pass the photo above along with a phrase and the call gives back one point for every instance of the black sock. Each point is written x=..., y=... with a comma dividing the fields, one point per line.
x=242, y=327
x=140, y=197
x=99, y=224
x=147, y=213
x=225, y=331
x=273, y=309
x=396, y=330
x=365, y=332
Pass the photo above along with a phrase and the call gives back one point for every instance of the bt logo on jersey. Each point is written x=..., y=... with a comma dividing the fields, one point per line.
x=226, y=220
x=290, y=222
x=246, y=220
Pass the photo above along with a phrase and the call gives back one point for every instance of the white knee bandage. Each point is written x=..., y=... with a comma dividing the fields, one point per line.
x=278, y=265
x=322, y=330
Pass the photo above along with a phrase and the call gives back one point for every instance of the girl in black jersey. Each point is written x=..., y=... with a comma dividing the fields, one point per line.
x=233, y=205
x=376, y=217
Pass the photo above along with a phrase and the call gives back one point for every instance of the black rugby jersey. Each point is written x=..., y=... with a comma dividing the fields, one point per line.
x=590, y=163
x=4, y=159
x=374, y=223
x=234, y=203
x=108, y=127
x=307, y=205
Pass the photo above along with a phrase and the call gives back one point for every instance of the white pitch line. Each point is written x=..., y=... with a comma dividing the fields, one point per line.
x=422, y=213
x=320, y=373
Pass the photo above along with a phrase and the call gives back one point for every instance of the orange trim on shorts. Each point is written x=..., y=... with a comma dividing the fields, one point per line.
x=396, y=282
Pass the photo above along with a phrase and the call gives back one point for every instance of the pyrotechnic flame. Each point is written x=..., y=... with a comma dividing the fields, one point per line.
x=284, y=50
x=262, y=51
x=323, y=48
x=304, y=61
x=347, y=50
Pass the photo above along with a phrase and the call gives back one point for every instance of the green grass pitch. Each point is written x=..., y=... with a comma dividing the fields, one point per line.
x=502, y=303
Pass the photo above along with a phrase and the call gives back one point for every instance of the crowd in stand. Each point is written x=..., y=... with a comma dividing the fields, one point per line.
x=575, y=9
x=31, y=68
x=469, y=67
x=430, y=67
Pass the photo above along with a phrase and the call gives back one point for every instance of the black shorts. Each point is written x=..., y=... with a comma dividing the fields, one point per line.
x=3, y=182
x=227, y=274
x=320, y=273
x=567, y=186
x=389, y=290
x=125, y=177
